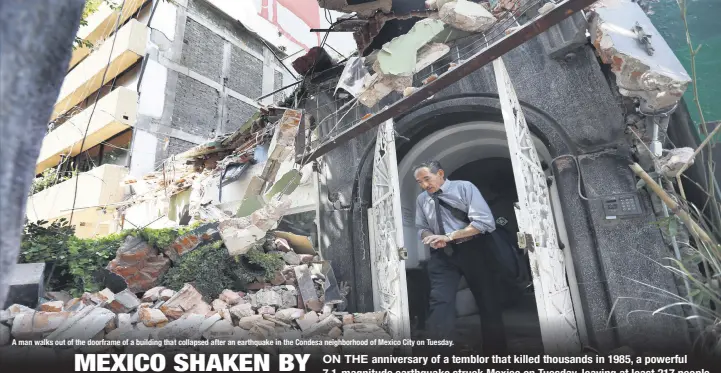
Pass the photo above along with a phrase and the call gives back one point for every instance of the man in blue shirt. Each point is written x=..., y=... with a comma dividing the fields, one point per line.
x=455, y=221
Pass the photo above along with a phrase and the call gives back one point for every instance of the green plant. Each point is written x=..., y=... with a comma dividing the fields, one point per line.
x=87, y=256
x=46, y=242
x=208, y=267
x=49, y=178
x=162, y=238
x=269, y=262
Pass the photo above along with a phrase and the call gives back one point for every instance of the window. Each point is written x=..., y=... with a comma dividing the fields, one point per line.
x=114, y=150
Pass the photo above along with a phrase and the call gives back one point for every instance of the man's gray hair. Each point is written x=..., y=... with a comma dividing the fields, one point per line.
x=433, y=166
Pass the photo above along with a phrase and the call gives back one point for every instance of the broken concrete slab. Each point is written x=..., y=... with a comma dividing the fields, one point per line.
x=184, y=328
x=230, y=297
x=124, y=302
x=335, y=333
x=399, y=56
x=219, y=305
x=348, y=319
x=139, y=263
x=467, y=16
x=322, y=327
x=289, y=314
x=55, y=306
x=222, y=329
x=84, y=325
x=187, y=300
x=378, y=86
x=242, y=310
x=166, y=294
x=291, y=258
x=239, y=237
x=267, y=297
x=247, y=322
x=152, y=317
x=37, y=325
x=306, y=321
x=305, y=283
x=266, y=310
x=153, y=294
x=646, y=68
x=377, y=318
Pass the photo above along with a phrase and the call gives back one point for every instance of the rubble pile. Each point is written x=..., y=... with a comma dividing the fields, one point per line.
x=271, y=313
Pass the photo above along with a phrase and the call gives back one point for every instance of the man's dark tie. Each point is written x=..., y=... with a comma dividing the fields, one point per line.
x=441, y=231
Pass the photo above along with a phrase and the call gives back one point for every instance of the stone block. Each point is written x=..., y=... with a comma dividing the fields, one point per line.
x=124, y=302
x=55, y=306
x=208, y=322
x=25, y=284
x=266, y=310
x=222, y=329
x=248, y=322
x=377, y=318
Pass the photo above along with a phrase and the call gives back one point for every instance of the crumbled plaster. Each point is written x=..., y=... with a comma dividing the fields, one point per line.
x=399, y=56
x=660, y=79
x=467, y=16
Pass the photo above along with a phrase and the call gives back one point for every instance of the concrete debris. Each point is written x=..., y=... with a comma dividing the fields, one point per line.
x=86, y=324
x=376, y=318
x=307, y=320
x=187, y=327
x=222, y=329
x=299, y=244
x=74, y=305
x=152, y=317
x=335, y=333
x=289, y=315
x=187, y=300
x=230, y=297
x=399, y=56
x=674, y=160
x=547, y=7
x=660, y=79
x=124, y=302
x=248, y=322
x=209, y=322
x=467, y=16
x=323, y=327
x=37, y=325
x=191, y=241
x=348, y=319
x=55, y=306
x=153, y=294
x=266, y=310
x=140, y=264
x=267, y=297
x=282, y=245
x=219, y=305
x=292, y=258
x=242, y=310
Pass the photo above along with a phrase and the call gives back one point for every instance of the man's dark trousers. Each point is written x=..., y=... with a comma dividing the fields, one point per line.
x=475, y=261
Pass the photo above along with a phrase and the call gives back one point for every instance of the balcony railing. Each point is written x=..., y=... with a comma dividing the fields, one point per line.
x=96, y=188
x=87, y=76
x=114, y=113
x=100, y=25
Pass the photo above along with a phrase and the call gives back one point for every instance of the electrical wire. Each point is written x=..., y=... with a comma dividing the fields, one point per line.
x=578, y=170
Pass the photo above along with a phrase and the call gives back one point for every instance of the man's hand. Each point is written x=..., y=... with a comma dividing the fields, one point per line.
x=436, y=241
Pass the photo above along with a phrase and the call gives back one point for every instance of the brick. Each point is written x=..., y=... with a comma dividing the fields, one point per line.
x=203, y=50
x=246, y=73
x=196, y=107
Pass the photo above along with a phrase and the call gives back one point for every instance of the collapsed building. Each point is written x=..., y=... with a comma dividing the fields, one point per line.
x=597, y=93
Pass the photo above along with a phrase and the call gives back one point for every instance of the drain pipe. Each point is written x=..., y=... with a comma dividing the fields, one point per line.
x=656, y=148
